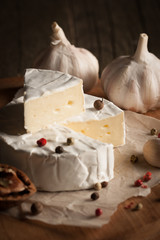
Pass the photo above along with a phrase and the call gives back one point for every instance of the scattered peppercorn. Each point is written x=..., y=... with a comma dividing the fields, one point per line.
x=36, y=208
x=41, y=142
x=104, y=184
x=129, y=205
x=94, y=196
x=138, y=207
x=153, y=131
x=97, y=186
x=134, y=159
x=138, y=183
x=99, y=104
x=70, y=141
x=98, y=212
x=148, y=174
x=147, y=177
x=59, y=149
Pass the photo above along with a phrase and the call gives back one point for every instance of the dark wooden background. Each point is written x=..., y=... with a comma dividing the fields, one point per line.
x=108, y=28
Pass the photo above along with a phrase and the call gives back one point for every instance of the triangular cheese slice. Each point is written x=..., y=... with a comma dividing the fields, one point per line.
x=50, y=97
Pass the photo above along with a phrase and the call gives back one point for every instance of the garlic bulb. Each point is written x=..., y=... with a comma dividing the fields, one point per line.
x=151, y=152
x=133, y=82
x=64, y=57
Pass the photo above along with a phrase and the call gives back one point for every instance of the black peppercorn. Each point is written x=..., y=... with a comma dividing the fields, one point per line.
x=36, y=208
x=59, y=149
x=95, y=196
x=104, y=184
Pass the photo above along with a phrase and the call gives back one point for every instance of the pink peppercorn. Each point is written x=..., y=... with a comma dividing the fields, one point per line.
x=98, y=212
x=41, y=142
x=129, y=205
x=148, y=174
x=147, y=177
x=138, y=183
x=158, y=135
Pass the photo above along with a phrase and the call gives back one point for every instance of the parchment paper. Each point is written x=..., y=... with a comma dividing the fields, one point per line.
x=76, y=208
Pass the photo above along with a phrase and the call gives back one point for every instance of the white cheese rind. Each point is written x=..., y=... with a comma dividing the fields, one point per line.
x=42, y=82
x=109, y=110
x=81, y=165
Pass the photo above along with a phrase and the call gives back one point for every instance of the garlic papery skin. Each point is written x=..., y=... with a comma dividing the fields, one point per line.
x=151, y=152
x=133, y=82
x=64, y=57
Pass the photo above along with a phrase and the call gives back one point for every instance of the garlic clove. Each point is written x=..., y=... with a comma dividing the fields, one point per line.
x=64, y=57
x=133, y=82
x=151, y=152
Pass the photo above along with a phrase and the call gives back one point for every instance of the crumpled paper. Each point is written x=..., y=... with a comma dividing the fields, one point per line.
x=76, y=208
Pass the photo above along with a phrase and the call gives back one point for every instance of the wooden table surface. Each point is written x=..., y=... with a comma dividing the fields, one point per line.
x=123, y=225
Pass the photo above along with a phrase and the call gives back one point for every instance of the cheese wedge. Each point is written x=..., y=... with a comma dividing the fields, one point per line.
x=106, y=125
x=79, y=166
x=50, y=97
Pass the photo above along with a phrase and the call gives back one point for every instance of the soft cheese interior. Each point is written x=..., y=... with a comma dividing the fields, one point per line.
x=50, y=97
x=106, y=125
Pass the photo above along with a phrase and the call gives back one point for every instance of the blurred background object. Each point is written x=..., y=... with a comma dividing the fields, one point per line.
x=107, y=28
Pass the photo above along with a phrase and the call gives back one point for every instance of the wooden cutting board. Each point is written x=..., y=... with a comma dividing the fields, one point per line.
x=124, y=224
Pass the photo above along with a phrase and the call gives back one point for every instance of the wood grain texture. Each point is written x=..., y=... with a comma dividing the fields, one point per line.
x=108, y=28
x=124, y=224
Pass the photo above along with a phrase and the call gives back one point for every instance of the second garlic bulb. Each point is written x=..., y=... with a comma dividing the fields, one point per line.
x=133, y=82
x=64, y=57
